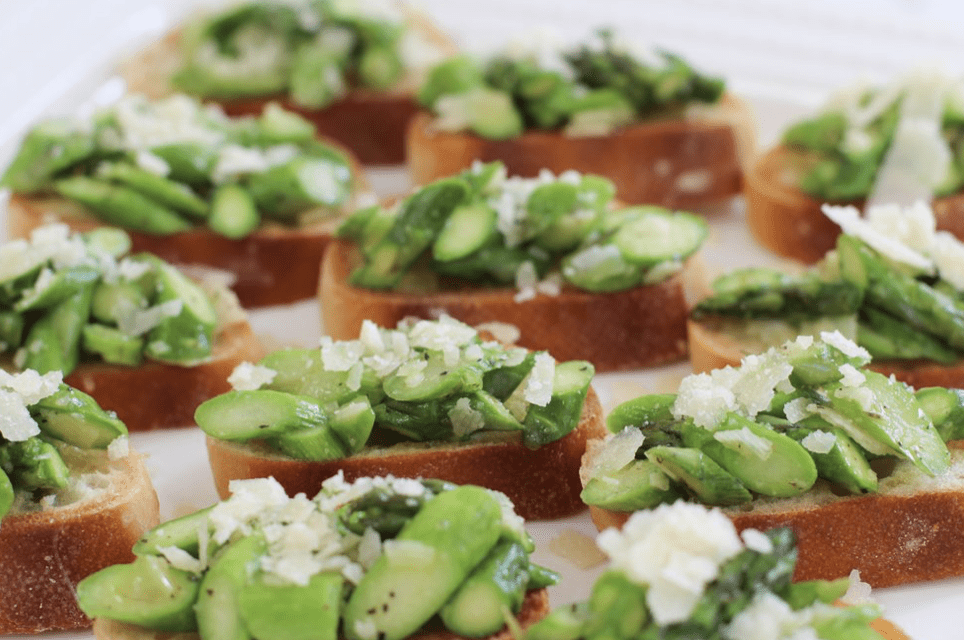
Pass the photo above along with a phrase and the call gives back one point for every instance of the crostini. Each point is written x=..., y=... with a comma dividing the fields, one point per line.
x=257, y=198
x=591, y=282
x=893, y=285
x=802, y=436
x=683, y=571
x=130, y=330
x=349, y=68
x=380, y=557
x=662, y=132
x=899, y=142
x=73, y=499
x=431, y=398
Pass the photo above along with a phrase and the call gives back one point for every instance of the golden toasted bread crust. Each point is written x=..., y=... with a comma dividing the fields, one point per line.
x=543, y=483
x=155, y=395
x=371, y=123
x=790, y=223
x=44, y=554
x=675, y=162
x=639, y=327
x=711, y=348
x=535, y=606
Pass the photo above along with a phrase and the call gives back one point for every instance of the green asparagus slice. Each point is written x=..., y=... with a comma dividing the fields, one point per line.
x=616, y=607
x=419, y=221
x=302, y=372
x=467, y=229
x=313, y=443
x=278, y=126
x=845, y=464
x=292, y=612
x=149, y=592
x=641, y=484
x=889, y=417
x=945, y=408
x=164, y=191
x=35, y=464
x=707, y=480
x=181, y=533
x=53, y=342
x=74, y=417
x=11, y=330
x=353, y=422
x=115, y=300
x=455, y=75
x=545, y=424
x=284, y=191
x=190, y=163
x=122, y=206
x=763, y=460
x=657, y=236
x=380, y=67
x=885, y=336
x=494, y=589
x=233, y=212
x=218, y=611
x=243, y=415
x=430, y=557
x=642, y=412
x=63, y=284
x=6, y=494
x=50, y=149
x=184, y=338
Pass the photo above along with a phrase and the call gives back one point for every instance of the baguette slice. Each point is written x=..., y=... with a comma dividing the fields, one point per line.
x=155, y=395
x=631, y=329
x=674, y=162
x=712, y=348
x=543, y=483
x=535, y=606
x=907, y=532
x=44, y=554
x=275, y=264
x=371, y=123
x=790, y=223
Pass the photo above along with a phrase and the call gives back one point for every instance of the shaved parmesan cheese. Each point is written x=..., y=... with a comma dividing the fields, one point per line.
x=819, y=441
x=850, y=222
x=676, y=550
x=248, y=377
x=539, y=382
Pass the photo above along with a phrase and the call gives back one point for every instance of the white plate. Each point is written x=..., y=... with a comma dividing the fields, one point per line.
x=80, y=39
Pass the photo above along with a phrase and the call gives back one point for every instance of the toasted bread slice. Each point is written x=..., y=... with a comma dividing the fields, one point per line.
x=909, y=531
x=543, y=483
x=790, y=223
x=711, y=347
x=45, y=553
x=674, y=162
x=535, y=606
x=639, y=327
x=370, y=123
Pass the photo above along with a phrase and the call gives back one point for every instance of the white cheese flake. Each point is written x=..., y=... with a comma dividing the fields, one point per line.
x=745, y=442
x=756, y=541
x=539, y=382
x=249, y=377
x=465, y=420
x=819, y=441
x=676, y=550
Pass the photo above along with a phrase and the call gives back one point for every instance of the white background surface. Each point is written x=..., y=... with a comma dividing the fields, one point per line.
x=784, y=56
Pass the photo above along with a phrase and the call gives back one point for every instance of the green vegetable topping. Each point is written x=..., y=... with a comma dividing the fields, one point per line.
x=843, y=148
x=741, y=591
x=591, y=89
x=376, y=558
x=424, y=381
x=485, y=228
x=313, y=51
x=771, y=427
x=67, y=299
x=893, y=285
x=174, y=164
x=47, y=426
